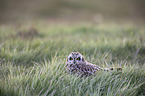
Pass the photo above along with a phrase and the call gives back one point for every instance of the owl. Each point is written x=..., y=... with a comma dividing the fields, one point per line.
x=76, y=63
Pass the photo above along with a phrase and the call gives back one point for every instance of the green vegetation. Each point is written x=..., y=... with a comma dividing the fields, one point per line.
x=32, y=59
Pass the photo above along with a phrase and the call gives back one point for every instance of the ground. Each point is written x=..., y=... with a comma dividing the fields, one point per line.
x=33, y=56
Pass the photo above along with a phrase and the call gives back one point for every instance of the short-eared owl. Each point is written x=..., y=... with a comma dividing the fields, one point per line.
x=76, y=63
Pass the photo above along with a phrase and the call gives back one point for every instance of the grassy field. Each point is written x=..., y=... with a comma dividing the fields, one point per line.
x=32, y=59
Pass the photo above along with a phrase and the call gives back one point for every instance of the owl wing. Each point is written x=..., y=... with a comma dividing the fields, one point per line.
x=95, y=67
x=87, y=69
x=112, y=69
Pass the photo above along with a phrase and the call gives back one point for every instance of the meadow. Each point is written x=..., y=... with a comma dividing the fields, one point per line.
x=33, y=56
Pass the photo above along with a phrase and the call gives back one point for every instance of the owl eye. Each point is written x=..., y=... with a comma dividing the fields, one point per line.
x=70, y=58
x=79, y=58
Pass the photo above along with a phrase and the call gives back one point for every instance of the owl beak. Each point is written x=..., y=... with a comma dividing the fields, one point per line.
x=74, y=61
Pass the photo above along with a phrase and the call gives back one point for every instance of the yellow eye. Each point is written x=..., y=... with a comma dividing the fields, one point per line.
x=79, y=58
x=70, y=58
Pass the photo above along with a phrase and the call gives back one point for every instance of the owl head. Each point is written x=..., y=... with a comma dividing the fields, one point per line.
x=75, y=58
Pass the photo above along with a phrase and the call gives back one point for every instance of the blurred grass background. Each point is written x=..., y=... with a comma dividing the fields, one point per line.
x=96, y=11
x=36, y=36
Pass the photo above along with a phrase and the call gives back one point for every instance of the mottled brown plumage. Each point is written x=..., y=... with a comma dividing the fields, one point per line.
x=76, y=63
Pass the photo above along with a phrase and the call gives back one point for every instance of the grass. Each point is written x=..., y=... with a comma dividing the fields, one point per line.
x=32, y=59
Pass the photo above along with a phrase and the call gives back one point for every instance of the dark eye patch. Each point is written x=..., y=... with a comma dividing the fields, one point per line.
x=79, y=58
x=70, y=58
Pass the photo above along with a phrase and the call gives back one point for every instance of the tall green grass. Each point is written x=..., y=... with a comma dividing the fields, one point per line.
x=32, y=59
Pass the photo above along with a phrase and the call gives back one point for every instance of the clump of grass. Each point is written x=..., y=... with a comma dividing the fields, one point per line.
x=50, y=78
